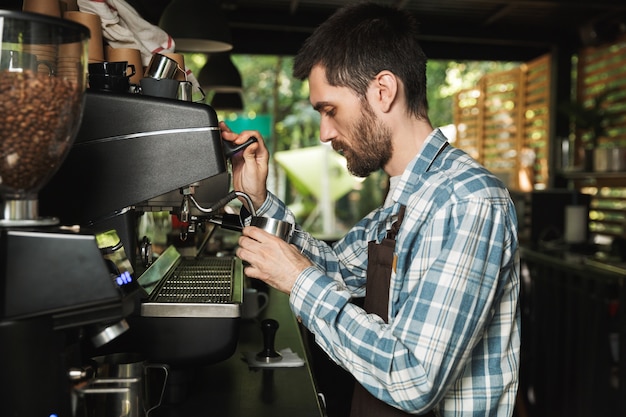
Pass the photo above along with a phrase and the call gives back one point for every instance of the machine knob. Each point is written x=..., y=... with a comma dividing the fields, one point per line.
x=145, y=251
x=269, y=354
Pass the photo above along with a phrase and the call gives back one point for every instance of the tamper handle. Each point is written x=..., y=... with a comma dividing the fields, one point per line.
x=269, y=354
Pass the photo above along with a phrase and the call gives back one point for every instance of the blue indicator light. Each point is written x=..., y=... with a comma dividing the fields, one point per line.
x=124, y=278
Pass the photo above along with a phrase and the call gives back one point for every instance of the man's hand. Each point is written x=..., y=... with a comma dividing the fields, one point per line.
x=250, y=167
x=271, y=259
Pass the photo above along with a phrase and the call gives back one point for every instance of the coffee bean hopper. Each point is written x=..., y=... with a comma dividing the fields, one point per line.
x=58, y=286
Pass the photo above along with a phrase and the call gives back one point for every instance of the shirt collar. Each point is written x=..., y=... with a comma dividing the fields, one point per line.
x=433, y=145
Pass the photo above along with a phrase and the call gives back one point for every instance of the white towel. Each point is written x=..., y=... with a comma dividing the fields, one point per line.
x=123, y=27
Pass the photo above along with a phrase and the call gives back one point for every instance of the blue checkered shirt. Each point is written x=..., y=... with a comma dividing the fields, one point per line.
x=453, y=338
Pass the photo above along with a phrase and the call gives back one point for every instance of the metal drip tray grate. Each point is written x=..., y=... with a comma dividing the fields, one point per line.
x=198, y=281
x=197, y=287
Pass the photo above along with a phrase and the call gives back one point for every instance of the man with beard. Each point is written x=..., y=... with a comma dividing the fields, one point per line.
x=438, y=262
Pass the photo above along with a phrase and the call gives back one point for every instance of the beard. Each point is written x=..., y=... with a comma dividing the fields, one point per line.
x=371, y=144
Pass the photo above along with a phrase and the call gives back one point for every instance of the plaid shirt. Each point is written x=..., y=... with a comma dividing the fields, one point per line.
x=453, y=337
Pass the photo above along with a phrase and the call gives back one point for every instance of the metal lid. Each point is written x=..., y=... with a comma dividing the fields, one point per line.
x=26, y=27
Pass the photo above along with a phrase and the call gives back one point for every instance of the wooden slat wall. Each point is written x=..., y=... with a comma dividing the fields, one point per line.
x=536, y=121
x=602, y=69
x=468, y=120
x=503, y=123
x=502, y=128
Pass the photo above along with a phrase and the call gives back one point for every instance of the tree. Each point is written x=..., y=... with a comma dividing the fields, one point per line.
x=269, y=88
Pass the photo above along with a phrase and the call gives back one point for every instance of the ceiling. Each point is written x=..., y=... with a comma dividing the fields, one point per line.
x=514, y=30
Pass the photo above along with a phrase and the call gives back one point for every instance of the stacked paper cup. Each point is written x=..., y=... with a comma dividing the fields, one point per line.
x=46, y=54
x=67, y=61
x=47, y=7
x=94, y=23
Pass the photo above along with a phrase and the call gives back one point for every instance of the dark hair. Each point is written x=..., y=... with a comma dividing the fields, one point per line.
x=360, y=40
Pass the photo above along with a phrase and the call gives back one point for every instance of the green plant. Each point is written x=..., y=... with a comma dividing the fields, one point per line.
x=589, y=118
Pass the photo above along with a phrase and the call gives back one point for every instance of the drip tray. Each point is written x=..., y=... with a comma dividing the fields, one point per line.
x=193, y=287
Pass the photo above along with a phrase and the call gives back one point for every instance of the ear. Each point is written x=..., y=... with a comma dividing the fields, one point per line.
x=385, y=86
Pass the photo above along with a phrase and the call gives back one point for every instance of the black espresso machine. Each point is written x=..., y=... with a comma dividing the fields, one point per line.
x=135, y=154
x=58, y=288
x=76, y=169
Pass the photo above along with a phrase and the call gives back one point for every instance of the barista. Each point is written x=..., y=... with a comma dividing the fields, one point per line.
x=438, y=261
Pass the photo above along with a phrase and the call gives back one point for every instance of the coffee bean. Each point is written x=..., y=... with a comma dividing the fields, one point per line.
x=37, y=113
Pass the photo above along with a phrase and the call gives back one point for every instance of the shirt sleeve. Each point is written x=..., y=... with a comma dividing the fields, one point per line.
x=346, y=260
x=453, y=273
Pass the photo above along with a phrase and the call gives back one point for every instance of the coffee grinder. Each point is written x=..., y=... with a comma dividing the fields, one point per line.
x=57, y=287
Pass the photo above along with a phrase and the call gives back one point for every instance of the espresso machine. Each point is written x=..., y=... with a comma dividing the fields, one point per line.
x=135, y=154
x=60, y=287
x=76, y=173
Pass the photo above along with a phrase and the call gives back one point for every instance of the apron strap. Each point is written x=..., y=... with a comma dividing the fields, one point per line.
x=379, y=267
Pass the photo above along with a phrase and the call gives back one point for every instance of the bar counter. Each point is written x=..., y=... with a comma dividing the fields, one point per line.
x=573, y=334
x=232, y=389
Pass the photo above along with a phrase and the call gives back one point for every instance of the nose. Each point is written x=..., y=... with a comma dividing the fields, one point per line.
x=327, y=131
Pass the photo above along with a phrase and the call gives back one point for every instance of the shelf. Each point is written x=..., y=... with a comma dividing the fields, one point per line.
x=575, y=175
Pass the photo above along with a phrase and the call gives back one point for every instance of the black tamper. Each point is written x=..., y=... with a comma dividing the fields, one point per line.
x=269, y=354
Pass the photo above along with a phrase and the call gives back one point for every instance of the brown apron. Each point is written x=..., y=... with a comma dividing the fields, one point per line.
x=379, y=266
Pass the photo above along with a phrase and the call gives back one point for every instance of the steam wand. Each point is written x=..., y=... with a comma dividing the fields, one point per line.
x=222, y=202
x=230, y=149
x=188, y=197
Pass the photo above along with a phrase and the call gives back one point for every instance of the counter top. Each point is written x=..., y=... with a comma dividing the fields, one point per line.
x=573, y=332
x=581, y=262
x=232, y=389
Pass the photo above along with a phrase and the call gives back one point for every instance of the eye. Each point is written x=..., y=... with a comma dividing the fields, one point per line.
x=326, y=110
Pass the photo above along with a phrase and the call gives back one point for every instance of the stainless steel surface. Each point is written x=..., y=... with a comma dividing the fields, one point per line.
x=161, y=66
x=24, y=213
x=103, y=398
x=279, y=228
x=128, y=370
x=185, y=91
x=210, y=287
x=109, y=333
x=230, y=388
